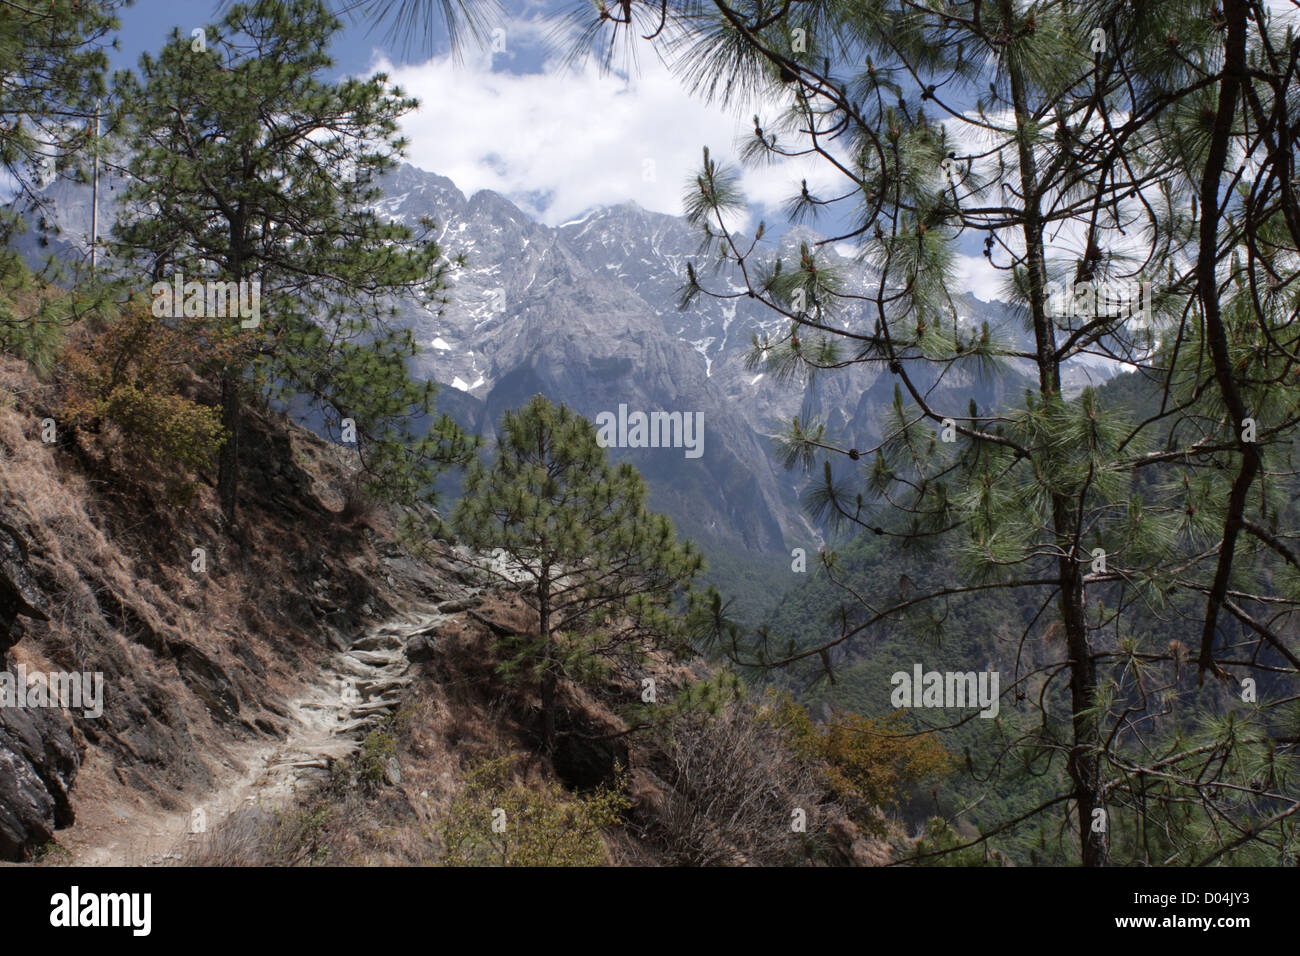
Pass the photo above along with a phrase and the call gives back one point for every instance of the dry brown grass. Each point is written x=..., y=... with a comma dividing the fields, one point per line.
x=114, y=563
x=729, y=789
x=116, y=570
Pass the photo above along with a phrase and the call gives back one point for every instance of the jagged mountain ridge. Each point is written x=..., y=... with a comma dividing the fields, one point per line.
x=586, y=313
x=541, y=309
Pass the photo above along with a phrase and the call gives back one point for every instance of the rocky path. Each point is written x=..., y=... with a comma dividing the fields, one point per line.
x=353, y=693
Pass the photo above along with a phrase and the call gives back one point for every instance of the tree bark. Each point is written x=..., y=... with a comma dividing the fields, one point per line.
x=228, y=457
x=549, y=679
x=1084, y=762
x=1234, y=69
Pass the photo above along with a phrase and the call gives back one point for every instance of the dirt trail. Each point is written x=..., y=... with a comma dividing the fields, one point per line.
x=353, y=692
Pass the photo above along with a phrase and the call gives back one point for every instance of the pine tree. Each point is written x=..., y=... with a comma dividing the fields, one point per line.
x=52, y=66
x=1089, y=145
x=247, y=167
x=416, y=22
x=602, y=573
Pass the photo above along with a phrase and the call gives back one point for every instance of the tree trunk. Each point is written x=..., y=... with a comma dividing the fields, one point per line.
x=549, y=679
x=548, y=703
x=231, y=379
x=1084, y=761
x=1085, y=758
x=1216, y=336
x=228, y=458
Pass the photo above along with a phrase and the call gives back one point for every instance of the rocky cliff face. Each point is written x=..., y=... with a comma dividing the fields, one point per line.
x=39, y=750
x=196, y=666
x=40, y=754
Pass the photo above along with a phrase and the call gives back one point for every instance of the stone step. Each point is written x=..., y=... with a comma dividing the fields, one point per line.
x=317, y=763
x=372, y=688
x=373, y=707
x=378, y=642
x=346, y=666
x=374, y=658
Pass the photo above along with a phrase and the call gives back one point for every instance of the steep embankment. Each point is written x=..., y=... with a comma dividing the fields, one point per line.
x=205, y=640
x=328, y=723
x=319, y=690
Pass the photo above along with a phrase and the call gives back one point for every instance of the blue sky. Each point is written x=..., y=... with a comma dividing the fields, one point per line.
x=147, y=23
x=556, y=141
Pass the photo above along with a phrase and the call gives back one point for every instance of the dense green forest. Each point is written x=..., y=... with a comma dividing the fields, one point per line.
x=995, y=778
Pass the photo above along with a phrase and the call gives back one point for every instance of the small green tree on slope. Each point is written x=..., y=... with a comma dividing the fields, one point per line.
x=601, y=571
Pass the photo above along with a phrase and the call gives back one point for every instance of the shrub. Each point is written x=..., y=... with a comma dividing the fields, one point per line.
x=31, y=323
x=125, y=379
x=377, y=750
x=735, y=788
x=498, y=820
x=869, y=762
x=938, y=846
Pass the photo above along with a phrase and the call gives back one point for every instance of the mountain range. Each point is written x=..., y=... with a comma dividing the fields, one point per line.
x=586, y=313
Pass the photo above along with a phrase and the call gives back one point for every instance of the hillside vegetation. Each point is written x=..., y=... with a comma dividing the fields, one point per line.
x=208, y=662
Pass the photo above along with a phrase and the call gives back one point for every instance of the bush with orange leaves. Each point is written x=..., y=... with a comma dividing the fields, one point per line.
x=122, y=387
x=869, y=762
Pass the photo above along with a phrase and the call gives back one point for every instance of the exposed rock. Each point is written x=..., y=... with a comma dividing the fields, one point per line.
x=39, y=758
x=392, y=772
x=207, y=679
x=459, y=605
x=39, y=754
x=421, y=648
x=19, y=594
x=498, y=628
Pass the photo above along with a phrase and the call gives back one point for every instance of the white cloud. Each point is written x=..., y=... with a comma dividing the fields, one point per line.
x=1284, y=9
x=976, y=276
x=562, y=141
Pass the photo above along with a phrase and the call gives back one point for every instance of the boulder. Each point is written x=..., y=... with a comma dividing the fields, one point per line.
x=421, y=647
